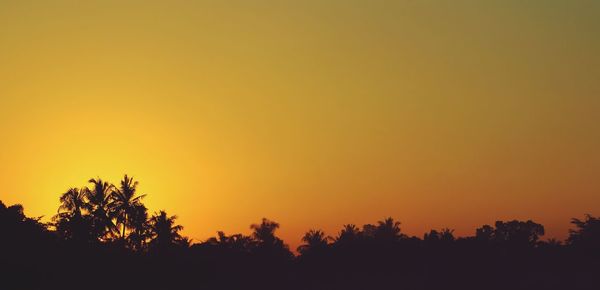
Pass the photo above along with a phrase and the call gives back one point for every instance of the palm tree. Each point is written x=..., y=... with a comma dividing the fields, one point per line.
x=70, y=222
x=100, y=197
x=265, y=231
x=349, y=234
x=72, y=201
x=447, y=235
x=125, y=202
x=164, y=230
x=315, y=241
x=388, y=230
x=140, y=228
x=266, y=241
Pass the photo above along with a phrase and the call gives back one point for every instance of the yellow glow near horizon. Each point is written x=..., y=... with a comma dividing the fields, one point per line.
x=311, y=113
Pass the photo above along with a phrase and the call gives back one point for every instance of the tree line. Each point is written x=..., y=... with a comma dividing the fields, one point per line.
x=105, y=226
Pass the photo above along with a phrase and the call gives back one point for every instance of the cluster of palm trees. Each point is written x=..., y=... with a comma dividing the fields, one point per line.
x=109, y=214
x=103, y=213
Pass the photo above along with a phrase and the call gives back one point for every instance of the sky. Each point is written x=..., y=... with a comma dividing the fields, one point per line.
x=314, y=114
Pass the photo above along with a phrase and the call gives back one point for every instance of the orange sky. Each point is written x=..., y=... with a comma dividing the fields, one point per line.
x=311, y=113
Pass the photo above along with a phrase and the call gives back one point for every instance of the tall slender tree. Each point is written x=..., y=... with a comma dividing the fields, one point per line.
x=100, y=198
x=125, y=202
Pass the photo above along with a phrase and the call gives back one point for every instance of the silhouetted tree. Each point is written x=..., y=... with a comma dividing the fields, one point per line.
x=586, y=234
x=315, y=242
x=140, y=227
x=433, y=235
x=518, y=232
x=350, y=234
x=19, y=233
x=125, y=203
x=512, y=233
x=100, y=197
x=387, y=230
x=70, y=222
x=265, y=231
x=14, y=223
x=72, y=201
x=447, y=235
x=266, y=241
x=165, y=233
x=485, y=233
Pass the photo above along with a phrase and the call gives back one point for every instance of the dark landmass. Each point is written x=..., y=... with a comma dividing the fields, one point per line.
x=103, y=238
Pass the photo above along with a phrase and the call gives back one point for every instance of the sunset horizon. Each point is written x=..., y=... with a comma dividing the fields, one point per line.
x=312, y=114
x=332, y=231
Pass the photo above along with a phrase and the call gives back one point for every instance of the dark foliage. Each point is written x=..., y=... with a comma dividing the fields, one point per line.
x=103, y=238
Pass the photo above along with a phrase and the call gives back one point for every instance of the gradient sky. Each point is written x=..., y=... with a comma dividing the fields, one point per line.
x=311, y=113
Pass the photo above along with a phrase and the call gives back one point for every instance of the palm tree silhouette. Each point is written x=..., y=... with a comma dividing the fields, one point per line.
x=125, y=203
x=265, y=231
x=100, y=198
x=164, y=230
x=72, y=201
x=388, y=230
x=315, y=241
x=349, y=233
x=140, y=228
x=447, y=235
x=267, y=243
x=70, y=221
